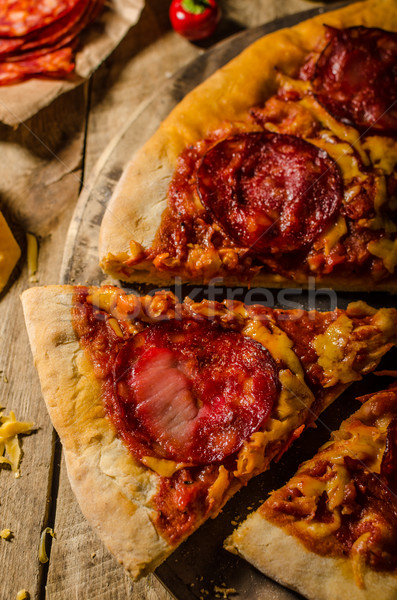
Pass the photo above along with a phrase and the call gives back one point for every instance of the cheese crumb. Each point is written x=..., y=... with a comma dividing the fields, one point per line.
x=6, y=534
x=23, y=595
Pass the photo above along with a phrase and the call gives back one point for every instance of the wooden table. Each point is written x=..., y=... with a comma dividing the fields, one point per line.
x=44, y=164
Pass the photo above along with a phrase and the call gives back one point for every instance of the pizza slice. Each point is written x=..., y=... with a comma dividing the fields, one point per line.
x=165, y=409
x=279, y=168
x=331, y=532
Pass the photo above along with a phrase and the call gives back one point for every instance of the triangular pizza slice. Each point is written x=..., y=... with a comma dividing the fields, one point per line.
x=331, y=531
x=279, y=168
x=165, y=409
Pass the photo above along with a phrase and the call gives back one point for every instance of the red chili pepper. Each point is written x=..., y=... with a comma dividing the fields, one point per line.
x=194, y=19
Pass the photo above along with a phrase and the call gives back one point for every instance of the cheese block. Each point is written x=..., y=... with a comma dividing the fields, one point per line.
x=9, y=252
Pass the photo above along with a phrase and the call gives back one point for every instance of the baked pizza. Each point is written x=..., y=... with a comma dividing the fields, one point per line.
x=331, y=532
x=281, y=167
x=165, y=409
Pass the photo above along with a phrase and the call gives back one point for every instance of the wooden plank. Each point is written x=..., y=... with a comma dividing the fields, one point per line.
x=39, y=182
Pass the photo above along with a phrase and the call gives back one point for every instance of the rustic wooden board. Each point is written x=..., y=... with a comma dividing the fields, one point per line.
x=40, y=175
x=200, y=568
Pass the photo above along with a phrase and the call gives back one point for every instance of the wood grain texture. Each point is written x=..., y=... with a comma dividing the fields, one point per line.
x=40, y=171
x=40, y=175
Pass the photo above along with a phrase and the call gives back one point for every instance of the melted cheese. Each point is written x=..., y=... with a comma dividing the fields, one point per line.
x=382, y=152
x=116, y=327
x=357, y=554
x=104, y=298
x=294, y=400
x=344, y=155
x=163, y=466
x=9, y=252
x=250, y=459
x=320, y=530
x=295, y=396
x=277, y=342
x=333, y=234
x=218, y=488
x=386, y=250
x=331, y=350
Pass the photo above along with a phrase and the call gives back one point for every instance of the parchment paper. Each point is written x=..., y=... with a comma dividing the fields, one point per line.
x=21, y=101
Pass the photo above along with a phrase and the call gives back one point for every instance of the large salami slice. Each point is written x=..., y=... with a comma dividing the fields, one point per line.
x=270, y=192
x=55, y=64
x=355, y=78
x=192, y=392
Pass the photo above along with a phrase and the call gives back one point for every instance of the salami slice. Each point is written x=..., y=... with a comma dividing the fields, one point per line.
x=60, y=31
x=196, y=389
x=47, y=50
x=56, y=64
x=19, y=17
x=60, y=35
x=355, y=78
x=270, y=192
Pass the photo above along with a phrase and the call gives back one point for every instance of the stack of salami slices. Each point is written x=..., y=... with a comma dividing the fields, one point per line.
x=39, y=37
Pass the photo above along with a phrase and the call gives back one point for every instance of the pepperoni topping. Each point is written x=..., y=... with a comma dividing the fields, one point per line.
x=191, y=392
x=270, y=192
x=355, y=78
x=19, y=17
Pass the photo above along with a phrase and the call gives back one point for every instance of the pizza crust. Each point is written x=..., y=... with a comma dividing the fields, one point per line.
x=285, y=559
x=113, y=490
x=135, y=209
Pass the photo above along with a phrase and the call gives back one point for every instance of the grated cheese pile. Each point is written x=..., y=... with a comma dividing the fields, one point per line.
x=10, y=449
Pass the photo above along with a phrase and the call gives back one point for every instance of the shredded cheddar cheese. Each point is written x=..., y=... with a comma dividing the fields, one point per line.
x=386, y=250
x=333, y=234
x=43, y=558
x=116, y=327
x=10, y=428
x=277, y=342
x=33, y=254
x=220, y=485
x=23, y=595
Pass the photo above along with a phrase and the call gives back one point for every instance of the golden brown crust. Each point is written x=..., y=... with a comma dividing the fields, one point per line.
x=113, y=490
x=284, y=558
x=276, y=541
x=135, y=210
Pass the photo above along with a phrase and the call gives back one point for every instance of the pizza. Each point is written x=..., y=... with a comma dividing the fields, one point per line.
x=335, y=522
x=278, y=169
x=165, y=408
x=39, y=38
